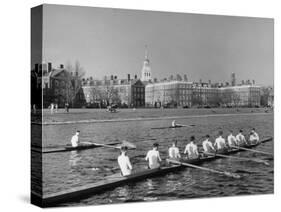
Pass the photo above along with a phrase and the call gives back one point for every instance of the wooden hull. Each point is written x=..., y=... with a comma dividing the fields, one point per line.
x=116, y=180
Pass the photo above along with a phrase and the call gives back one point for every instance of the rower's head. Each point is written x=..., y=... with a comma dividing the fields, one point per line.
x=192, y=138
x=174, y=143
x=241, y=131
x=124, y=149
x=220, y=133
x=208, y=136
x=253, y=129
x=77, y=132
x=155, y=146
x=230, y=131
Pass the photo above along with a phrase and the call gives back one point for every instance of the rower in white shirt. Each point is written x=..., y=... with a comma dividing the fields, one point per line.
x=191, y=149
x=124, y=162
x=254, y=137
x=75, y=139
x=220, y=142
x=207, y=145
x=153, y=157
x=240, y=138
x=174, y=152
x=231, y=140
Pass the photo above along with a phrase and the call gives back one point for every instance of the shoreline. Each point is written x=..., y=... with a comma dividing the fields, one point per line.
x=149, y=118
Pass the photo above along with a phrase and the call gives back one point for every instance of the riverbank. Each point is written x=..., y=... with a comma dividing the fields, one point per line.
x=101, y=115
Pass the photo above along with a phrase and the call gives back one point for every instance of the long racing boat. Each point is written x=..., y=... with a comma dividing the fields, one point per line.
x=113, y=181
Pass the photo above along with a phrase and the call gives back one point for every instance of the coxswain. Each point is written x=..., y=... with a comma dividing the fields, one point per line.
x=174, y=152
x=124, y=162
x=153, y=157
x=240, y=138
x=220, y=142
x=191, y=149
x=75, y=139
x=254, y=137
x=207, y=145
x=231, y=140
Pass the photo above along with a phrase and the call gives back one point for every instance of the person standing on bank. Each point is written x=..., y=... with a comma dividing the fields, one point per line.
x=153, y=157
x=124, y=162
x=75, y=139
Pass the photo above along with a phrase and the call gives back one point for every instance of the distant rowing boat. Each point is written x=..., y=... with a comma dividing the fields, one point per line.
x=177, y=126
x=116, y=180
x=68, y=147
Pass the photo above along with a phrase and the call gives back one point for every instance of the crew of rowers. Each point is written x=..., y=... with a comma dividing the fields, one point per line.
x=191, y=150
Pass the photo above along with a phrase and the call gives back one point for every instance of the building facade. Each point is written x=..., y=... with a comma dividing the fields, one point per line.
x=188, y=94
x=168, y=94
x=122, y=92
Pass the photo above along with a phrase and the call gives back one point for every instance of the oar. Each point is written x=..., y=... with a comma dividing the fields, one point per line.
x=252, y=150
x=240, y=158
x=226, y=173
x=124, y=143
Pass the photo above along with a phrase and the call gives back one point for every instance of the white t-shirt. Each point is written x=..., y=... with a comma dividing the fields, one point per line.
x=231, y=140
x=192, y=150
x=240, y=139
x=153, y=158
x=220, y=143
x=173, y=123
x=74, y=141
x=125, y=164
x=174, y=152
x=254, y=138
x=207, y=146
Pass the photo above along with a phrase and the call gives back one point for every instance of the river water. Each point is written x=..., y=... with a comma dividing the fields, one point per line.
x=66, y=170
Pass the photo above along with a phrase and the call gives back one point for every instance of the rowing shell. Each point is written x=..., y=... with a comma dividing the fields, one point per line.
x=68, y=147
x=116, y=180
x=177, y=126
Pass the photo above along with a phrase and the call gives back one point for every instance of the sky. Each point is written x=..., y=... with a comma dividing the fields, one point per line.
x=112, y=42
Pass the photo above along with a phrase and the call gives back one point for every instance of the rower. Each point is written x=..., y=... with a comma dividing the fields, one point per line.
x=153, y=157
x=124, y=162
x=231, y=140
x=174, y=152
x=240, y=138
x=75, y=139
x=254, y=137
x=191, y=149
x=220, y=142
x=174, y=123
x=207, y=145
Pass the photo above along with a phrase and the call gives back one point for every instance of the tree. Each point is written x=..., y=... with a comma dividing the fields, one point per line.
x=74, y=81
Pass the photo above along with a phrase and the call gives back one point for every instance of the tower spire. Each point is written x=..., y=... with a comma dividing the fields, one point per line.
x=146, y=53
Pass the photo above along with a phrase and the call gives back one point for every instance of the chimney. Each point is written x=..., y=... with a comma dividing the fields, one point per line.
x=254, y=82
x=115, y=77
x=111, y=77
x=136, y=76
x=49, y=67
x=61, y=66
x=209, y=82
x=243, y=82
x=76, y=73
x=129, y=77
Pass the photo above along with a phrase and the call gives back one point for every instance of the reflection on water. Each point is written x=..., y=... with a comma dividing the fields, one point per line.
x=71, y=169
x=74, y=158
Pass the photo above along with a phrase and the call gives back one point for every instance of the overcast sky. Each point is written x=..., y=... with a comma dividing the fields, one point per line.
x=111, y=41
